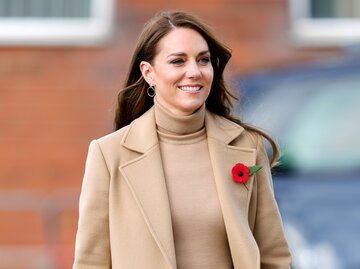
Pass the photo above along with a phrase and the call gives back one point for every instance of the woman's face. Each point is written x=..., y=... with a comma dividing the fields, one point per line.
x=181, y=72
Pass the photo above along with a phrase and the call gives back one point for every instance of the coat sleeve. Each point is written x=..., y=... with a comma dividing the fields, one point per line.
x=268, y=229
x=92, y=246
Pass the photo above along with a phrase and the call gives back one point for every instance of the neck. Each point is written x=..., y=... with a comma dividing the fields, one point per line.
x=171, y=123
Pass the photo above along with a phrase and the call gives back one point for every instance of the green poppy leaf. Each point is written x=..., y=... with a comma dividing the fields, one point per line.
x=254, y=169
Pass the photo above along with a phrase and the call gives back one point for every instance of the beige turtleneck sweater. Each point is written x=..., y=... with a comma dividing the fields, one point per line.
x=199, y=231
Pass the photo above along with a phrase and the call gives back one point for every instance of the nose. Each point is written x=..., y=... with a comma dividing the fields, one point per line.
x=193, y=70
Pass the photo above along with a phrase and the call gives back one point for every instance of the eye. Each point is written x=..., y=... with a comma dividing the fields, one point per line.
x=177, y=61
x=204, y=60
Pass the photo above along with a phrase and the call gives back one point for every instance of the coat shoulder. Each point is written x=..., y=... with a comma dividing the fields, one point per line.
x=113, y=139
x=250, y=138
x=231, y=132
x=112, y=149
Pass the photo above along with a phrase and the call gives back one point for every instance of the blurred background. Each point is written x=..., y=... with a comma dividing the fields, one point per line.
x=295, y=64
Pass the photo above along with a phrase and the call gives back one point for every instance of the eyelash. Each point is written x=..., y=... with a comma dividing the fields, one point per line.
x=205, y=59
x=180, y=61
x=177, y=61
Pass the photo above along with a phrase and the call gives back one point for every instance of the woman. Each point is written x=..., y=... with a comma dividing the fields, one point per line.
x=159, y=191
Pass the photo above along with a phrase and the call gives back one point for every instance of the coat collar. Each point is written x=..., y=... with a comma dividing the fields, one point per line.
x=149, y=189
x=142, y=134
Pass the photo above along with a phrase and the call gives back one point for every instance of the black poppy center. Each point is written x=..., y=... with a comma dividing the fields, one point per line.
x=240, y=174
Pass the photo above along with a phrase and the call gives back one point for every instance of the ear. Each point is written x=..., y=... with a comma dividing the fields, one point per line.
x=147, y=72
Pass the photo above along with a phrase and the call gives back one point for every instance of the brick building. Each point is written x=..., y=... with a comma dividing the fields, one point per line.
x=55, y=99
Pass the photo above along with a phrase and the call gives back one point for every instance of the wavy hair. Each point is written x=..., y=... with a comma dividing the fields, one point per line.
x=132, y=99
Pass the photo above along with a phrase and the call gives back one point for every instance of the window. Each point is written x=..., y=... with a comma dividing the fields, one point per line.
x=55, y=22
x=325, y=22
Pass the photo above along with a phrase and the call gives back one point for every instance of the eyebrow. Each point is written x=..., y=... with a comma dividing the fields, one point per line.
x=184, y=54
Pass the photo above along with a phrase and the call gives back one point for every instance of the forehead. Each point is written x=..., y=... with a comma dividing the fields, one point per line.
x=182, y=40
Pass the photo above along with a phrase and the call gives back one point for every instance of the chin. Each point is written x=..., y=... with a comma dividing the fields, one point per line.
x=187, y=110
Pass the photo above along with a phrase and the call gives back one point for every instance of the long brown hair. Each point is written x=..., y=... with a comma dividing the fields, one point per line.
x=133, y=100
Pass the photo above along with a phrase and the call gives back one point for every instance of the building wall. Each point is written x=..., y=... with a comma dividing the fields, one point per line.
x=54, y=100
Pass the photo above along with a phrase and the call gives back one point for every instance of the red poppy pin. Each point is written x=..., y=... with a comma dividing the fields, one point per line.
x=241, y=172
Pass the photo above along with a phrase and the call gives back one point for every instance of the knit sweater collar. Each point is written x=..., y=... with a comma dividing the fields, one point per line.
x=168, y=122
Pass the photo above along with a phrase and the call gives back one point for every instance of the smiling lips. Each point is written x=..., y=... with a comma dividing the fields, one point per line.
x=190, y=88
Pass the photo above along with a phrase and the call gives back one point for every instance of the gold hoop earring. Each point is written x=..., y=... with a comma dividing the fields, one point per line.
x=151, y=91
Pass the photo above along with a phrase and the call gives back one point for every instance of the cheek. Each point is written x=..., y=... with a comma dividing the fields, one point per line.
x=209, y=74
x=169, y=77
x=208, y=71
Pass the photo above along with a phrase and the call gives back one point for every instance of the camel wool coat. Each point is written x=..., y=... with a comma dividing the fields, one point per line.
x=125, y=220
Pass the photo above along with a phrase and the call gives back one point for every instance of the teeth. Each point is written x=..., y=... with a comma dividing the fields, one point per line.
x=190, y=88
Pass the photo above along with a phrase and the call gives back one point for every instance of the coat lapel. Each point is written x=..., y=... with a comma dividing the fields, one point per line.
x=145, y=178
x=234, y=197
